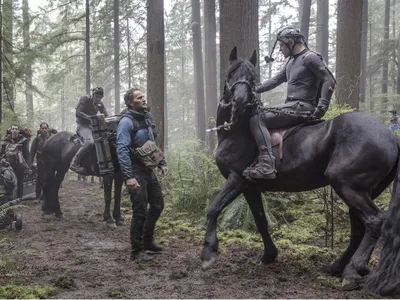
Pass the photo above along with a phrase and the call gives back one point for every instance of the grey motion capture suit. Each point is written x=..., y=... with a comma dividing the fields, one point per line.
x=310, y=86
x=85, y=109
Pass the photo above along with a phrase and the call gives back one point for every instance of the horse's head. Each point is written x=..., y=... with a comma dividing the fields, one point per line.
x=239, y=83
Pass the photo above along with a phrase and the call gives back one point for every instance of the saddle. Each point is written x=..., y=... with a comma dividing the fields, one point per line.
x=278, y=135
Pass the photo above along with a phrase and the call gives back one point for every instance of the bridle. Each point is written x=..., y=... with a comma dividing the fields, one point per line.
x=242, y=81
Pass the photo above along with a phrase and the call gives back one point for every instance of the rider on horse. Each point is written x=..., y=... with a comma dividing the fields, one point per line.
x=15, y=148
x=88, y=106
x=310, y=86
x=36, y=150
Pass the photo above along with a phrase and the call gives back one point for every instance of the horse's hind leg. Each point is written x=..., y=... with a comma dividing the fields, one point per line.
x=231, y=189
x=58, y=179
x=253, y=198
x=357, y=234
x=362, y=205
x=107, y=199
x=118, y=181
x=49, y=177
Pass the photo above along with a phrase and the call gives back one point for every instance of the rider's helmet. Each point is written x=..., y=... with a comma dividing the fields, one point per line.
x=290, y=33
x=98, y=91
x=283, y=36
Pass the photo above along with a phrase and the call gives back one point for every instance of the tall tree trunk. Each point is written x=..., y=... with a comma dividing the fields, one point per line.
x=363, y=56
x=27, y=60
x=371, y=89
x=210, y=46
x=349, y=23
x=269, y=36
x=398, y=72
x=323, y=28
x=394, y=52
x=385, y=55
x=87, y=43
x=156, y=64
x=1, y=63
x=129, y=54
x=8, y=77
x=63, y=105
x=305, y=18
x=238, y=28
x=198, y=72
x=116, y=57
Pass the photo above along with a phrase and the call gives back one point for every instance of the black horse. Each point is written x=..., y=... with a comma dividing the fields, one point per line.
x=58, y=152
x=354, y=153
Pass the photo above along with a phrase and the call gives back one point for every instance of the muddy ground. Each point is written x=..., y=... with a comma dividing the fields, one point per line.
x=85, y=259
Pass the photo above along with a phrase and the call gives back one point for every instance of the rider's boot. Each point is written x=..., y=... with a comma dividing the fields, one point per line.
x=265, y=166
x=75, y=164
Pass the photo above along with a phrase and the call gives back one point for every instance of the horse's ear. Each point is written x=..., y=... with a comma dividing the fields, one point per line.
x=253, y=58
x=233, y=55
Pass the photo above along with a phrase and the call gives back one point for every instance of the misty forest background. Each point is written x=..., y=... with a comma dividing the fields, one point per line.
x=54, y=51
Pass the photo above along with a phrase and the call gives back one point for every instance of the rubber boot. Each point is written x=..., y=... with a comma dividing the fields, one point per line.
x=151, y=247
x=265, y=166
x=75, y=164
x=264, y=169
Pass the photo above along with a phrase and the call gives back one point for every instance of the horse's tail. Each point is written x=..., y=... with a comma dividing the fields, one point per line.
x=385, y=279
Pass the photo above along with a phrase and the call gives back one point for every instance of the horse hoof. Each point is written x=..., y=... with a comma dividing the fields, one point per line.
x=111, y=225
x=47, y=216
x=350, y=284
x=208, y=263
x=120, y=223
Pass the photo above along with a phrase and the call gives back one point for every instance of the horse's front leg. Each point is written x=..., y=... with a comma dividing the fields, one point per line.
x=119, y=180
x=231, y=189
x=253, y=198
x=107, y=199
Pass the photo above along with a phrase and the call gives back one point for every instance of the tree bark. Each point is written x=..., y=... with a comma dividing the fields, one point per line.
x=156, y=64
x=116, y=57
x=1, y=64
x=210, y=46
x=87, y=45
x=385, y=56
x=305, y=18
x=198, y=72
x=238, y=28
x=28, y=60
x=364, y=45
x=129, y=54
x=323, y=28
x=348, y=52
x=8, y=77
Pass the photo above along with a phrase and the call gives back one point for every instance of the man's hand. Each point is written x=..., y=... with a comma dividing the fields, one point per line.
x=257, y=88
x=164, y=170
x=132, y=185
x=319, y=112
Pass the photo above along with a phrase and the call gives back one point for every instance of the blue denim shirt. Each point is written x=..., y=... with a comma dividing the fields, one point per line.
x=125, y=131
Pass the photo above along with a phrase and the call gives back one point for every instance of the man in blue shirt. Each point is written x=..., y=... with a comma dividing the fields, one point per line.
x=135, y=128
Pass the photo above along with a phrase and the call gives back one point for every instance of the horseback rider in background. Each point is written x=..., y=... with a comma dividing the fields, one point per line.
x=88, y=106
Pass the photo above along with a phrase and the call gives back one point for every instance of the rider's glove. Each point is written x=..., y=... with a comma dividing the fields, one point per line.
x=319, y=112
x=321, y=109
x=257, y=88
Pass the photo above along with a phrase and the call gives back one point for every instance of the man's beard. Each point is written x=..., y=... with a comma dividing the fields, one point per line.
x=44, y=134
